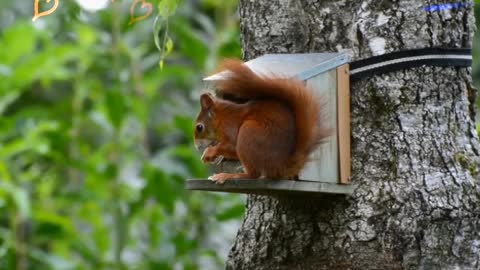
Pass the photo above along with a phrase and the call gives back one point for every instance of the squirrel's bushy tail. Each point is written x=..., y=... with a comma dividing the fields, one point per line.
x=242, y=82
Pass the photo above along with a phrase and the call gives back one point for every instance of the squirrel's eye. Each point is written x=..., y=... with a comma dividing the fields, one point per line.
x=200, y=128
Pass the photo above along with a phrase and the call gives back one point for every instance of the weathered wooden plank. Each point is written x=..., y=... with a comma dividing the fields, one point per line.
x=270, y=187
x=343, y=123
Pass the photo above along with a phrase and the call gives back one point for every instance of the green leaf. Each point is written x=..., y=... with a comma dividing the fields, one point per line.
x=19, y=198
x=86, y=35
x=167, y=8
x=191, y=159
x=55, y=222
x=183, y=243
x=159, y=25
x=185, y=124
x=116, y=107
x=18, y=41
x=193, y=45
x=169, y=46
x=54, y=262
x=8, y=99
x=160, y=186
x=234, y=212
x=22, y=201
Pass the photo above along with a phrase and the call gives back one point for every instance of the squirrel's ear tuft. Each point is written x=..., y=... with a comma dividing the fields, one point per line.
x=206, y=100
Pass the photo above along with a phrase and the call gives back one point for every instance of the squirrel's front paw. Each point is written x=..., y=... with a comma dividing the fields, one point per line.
x=219, y=178
x=208, y=159
x=214, y=160
x=209, y=156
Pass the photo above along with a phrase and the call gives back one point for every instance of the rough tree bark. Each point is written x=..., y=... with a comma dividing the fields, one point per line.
x=414, y=145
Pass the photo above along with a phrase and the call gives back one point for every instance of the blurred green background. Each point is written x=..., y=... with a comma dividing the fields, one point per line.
x=96, y=138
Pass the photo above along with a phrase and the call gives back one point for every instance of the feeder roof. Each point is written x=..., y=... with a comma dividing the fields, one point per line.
x=302, y=66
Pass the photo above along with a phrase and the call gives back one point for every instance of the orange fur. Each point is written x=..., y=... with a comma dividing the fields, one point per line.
x=272, y=134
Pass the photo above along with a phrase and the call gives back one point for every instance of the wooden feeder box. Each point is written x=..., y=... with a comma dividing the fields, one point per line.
x=329, y=169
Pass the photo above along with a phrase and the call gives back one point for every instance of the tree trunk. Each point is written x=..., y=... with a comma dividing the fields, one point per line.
x=415, y=148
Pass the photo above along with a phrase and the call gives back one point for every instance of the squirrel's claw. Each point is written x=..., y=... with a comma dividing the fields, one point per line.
x=218, y=160
x=218, y=178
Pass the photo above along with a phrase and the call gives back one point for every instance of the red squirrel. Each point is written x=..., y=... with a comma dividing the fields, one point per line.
x=272, y=134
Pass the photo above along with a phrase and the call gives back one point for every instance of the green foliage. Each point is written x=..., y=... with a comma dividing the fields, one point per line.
x=95, y=139
x=476, y=48
x=163, y=41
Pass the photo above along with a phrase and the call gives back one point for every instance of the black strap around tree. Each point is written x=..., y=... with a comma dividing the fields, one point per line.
x=458, y=57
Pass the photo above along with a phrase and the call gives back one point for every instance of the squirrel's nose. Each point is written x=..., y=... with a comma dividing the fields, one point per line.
x=201, y=144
